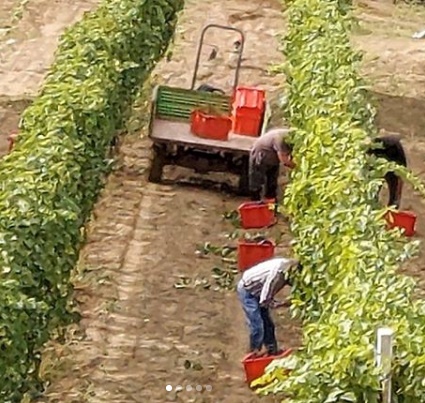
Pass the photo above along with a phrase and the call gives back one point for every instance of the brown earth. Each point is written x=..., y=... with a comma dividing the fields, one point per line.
x=29, y=31
x=138, y=329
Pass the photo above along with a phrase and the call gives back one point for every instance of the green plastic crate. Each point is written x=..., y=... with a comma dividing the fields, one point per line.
x=178, y=104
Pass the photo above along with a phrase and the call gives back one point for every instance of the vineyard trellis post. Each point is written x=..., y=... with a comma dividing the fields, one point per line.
x=384, y=352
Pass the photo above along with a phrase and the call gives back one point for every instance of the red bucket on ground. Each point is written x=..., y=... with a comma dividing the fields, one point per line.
x=255, y=366
x=252, y=252
x=402, y=219
x=257, y=214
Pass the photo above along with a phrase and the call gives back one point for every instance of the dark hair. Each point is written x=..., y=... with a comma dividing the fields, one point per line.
x=286, y=148
x=295, y=265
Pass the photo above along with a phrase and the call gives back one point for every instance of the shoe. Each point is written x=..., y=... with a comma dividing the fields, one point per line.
x=275, y=352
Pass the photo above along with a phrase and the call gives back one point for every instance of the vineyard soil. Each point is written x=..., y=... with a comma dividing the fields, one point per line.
x=28, y=38
x=139, y=333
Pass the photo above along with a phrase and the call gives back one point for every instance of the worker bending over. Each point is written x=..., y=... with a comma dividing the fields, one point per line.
x=256, y=290
x=392, y=151
x=268, y=151
x=271, y=149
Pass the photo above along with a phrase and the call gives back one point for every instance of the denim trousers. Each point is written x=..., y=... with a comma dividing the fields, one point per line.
x=260, y=323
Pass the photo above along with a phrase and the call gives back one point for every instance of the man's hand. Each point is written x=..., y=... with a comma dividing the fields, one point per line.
x=286, y=159
x=279, y=304
x=290, y=164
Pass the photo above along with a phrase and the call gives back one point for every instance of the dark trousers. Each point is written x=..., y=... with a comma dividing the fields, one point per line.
x=263, y=179
x=392, y=150
x=395, y=186
x=270, y=341
x=260, y=323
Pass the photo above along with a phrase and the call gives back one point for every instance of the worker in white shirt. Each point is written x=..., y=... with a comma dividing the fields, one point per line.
x=256, y=289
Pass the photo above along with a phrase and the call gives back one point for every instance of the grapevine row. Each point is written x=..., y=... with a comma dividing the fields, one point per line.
x=50, y=181
x=350, y=286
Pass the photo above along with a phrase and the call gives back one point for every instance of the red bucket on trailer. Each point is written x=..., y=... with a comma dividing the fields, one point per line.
x=257, y=214
x=402, y=219
x=252, y=252
x=208, y=126
x=255, y=366
x=248, y=111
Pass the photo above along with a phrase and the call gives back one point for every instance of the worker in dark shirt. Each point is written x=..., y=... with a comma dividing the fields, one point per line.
x=391, y=149
x=271, y=149
x=256, y=291
x=266, y=155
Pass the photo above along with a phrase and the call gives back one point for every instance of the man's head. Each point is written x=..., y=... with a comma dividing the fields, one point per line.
x=293, y=267
x=287, y=148
x=285, y=155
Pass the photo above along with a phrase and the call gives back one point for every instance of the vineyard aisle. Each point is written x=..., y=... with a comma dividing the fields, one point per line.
x=139, y=329
x=139, y=333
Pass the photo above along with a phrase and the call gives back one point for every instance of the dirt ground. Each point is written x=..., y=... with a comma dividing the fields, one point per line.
x=139, y=333
x=29, y=31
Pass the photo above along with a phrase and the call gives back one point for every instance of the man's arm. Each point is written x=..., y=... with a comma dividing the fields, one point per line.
x=276, y=280
x=283, y=150
x=274, y=283
x=286, y=159
x=280, y=304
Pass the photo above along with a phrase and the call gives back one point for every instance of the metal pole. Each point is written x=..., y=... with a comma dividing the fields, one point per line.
x=201, y=41
x=384, y=352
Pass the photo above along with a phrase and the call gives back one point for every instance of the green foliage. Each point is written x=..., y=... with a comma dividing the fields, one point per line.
x=50, y=181
x=350, y=286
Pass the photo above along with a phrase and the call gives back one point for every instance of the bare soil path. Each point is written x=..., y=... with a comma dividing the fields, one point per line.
x=138, y=329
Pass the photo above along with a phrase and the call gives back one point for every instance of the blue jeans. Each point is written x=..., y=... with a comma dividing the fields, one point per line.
x=260, y=323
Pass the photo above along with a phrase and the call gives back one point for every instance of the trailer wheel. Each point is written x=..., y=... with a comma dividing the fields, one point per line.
x=157, y=165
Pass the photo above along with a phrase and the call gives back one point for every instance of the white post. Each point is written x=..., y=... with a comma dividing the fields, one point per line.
x=384, y=352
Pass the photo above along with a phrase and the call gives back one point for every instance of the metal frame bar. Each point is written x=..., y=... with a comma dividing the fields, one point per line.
x=198, y=56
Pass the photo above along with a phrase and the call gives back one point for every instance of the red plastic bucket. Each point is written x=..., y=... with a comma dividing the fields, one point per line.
x=402, y=219
x=252, y=252
x=257, y=214
x=248, y=111
x=255, y=367
x=247, y=126
x=210, y=126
